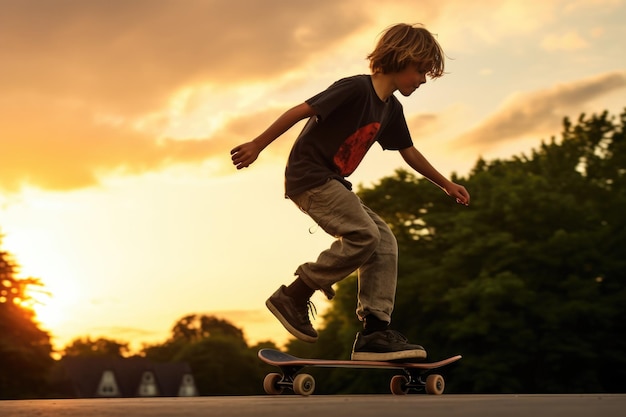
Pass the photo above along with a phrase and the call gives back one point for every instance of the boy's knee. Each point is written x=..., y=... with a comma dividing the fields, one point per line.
x=369, y=239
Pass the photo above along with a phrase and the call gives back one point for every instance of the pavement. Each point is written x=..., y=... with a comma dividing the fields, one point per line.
x=588, y=405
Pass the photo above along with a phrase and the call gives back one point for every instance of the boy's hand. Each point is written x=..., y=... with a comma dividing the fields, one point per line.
x=244, y=155
x=459, y=193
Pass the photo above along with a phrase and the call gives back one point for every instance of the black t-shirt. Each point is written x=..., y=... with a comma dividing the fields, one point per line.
x=350, y=117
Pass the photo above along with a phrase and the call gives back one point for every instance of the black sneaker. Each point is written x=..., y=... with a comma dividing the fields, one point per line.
x=386, y=345
x=294, y=317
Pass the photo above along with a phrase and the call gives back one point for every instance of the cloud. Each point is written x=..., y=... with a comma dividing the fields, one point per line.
x=541, y=111
x=131, y=55
x=88, y=86
x=65, y=148
x=77, y=76
x=423, y=124
x=236, y=317
x=567, y=42
x=123, y=332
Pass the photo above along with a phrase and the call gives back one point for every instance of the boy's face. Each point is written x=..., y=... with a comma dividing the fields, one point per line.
x=410, y=78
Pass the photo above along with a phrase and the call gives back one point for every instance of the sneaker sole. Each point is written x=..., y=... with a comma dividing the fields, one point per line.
x=389, y=356
x=301, y=336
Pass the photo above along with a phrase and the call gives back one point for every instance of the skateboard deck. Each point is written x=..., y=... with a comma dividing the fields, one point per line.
x=412, y=377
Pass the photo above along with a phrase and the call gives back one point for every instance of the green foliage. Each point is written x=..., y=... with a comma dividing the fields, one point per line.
x=528, y=283
x=223, y=366
x=188, y=330
x=97, y=347
x=196, y=327
x=24, y=348
x=221, y=361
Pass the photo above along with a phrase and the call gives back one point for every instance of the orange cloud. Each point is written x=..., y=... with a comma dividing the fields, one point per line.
x=541, y=111
x=59, y=146
x=423, y=124
x=129, y=56
x=567, y=41
x=66, y=63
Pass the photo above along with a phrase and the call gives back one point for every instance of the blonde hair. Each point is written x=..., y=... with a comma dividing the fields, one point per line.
x=403, y=44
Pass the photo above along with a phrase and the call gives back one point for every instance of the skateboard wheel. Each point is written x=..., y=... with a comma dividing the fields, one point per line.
x=303, y=384
x=398, y=385
x=435, y=384
x=270, y=384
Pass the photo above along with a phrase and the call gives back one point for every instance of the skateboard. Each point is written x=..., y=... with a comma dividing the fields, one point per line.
x=412, y=377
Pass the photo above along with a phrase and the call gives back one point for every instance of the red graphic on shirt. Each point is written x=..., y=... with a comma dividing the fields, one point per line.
x=353, y=150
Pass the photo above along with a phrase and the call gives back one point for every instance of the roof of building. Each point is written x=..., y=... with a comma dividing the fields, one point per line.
x=84, y=374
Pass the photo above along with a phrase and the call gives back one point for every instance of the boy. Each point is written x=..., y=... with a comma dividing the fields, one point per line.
x=344, y=121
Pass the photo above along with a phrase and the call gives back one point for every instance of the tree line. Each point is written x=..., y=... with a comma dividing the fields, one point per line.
x=528, y=284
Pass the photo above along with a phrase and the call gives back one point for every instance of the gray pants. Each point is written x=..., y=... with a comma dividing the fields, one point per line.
x=364, y=243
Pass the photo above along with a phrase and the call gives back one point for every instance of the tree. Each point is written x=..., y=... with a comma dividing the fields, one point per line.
x=96, y=347
x=223, y=366
x=25, y=349
x=218, y=354
x=190, y=329
x=529, y=282
x=195, y=327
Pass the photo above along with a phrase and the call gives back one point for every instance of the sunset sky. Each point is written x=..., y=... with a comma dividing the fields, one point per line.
x=117, y=117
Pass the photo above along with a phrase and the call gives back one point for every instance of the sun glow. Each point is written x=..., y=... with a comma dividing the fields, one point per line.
x=53, y=302
x=48, y=312
x=38, y=254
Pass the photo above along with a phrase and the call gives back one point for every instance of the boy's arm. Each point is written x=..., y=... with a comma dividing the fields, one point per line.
x=246, y=153
x=419, y=163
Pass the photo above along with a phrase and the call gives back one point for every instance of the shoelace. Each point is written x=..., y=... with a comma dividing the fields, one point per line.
x=309, y=309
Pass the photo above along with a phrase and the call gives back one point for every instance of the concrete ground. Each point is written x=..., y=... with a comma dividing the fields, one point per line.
x=327, y=406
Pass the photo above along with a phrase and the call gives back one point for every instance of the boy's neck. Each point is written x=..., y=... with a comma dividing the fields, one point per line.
x=383, y=85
